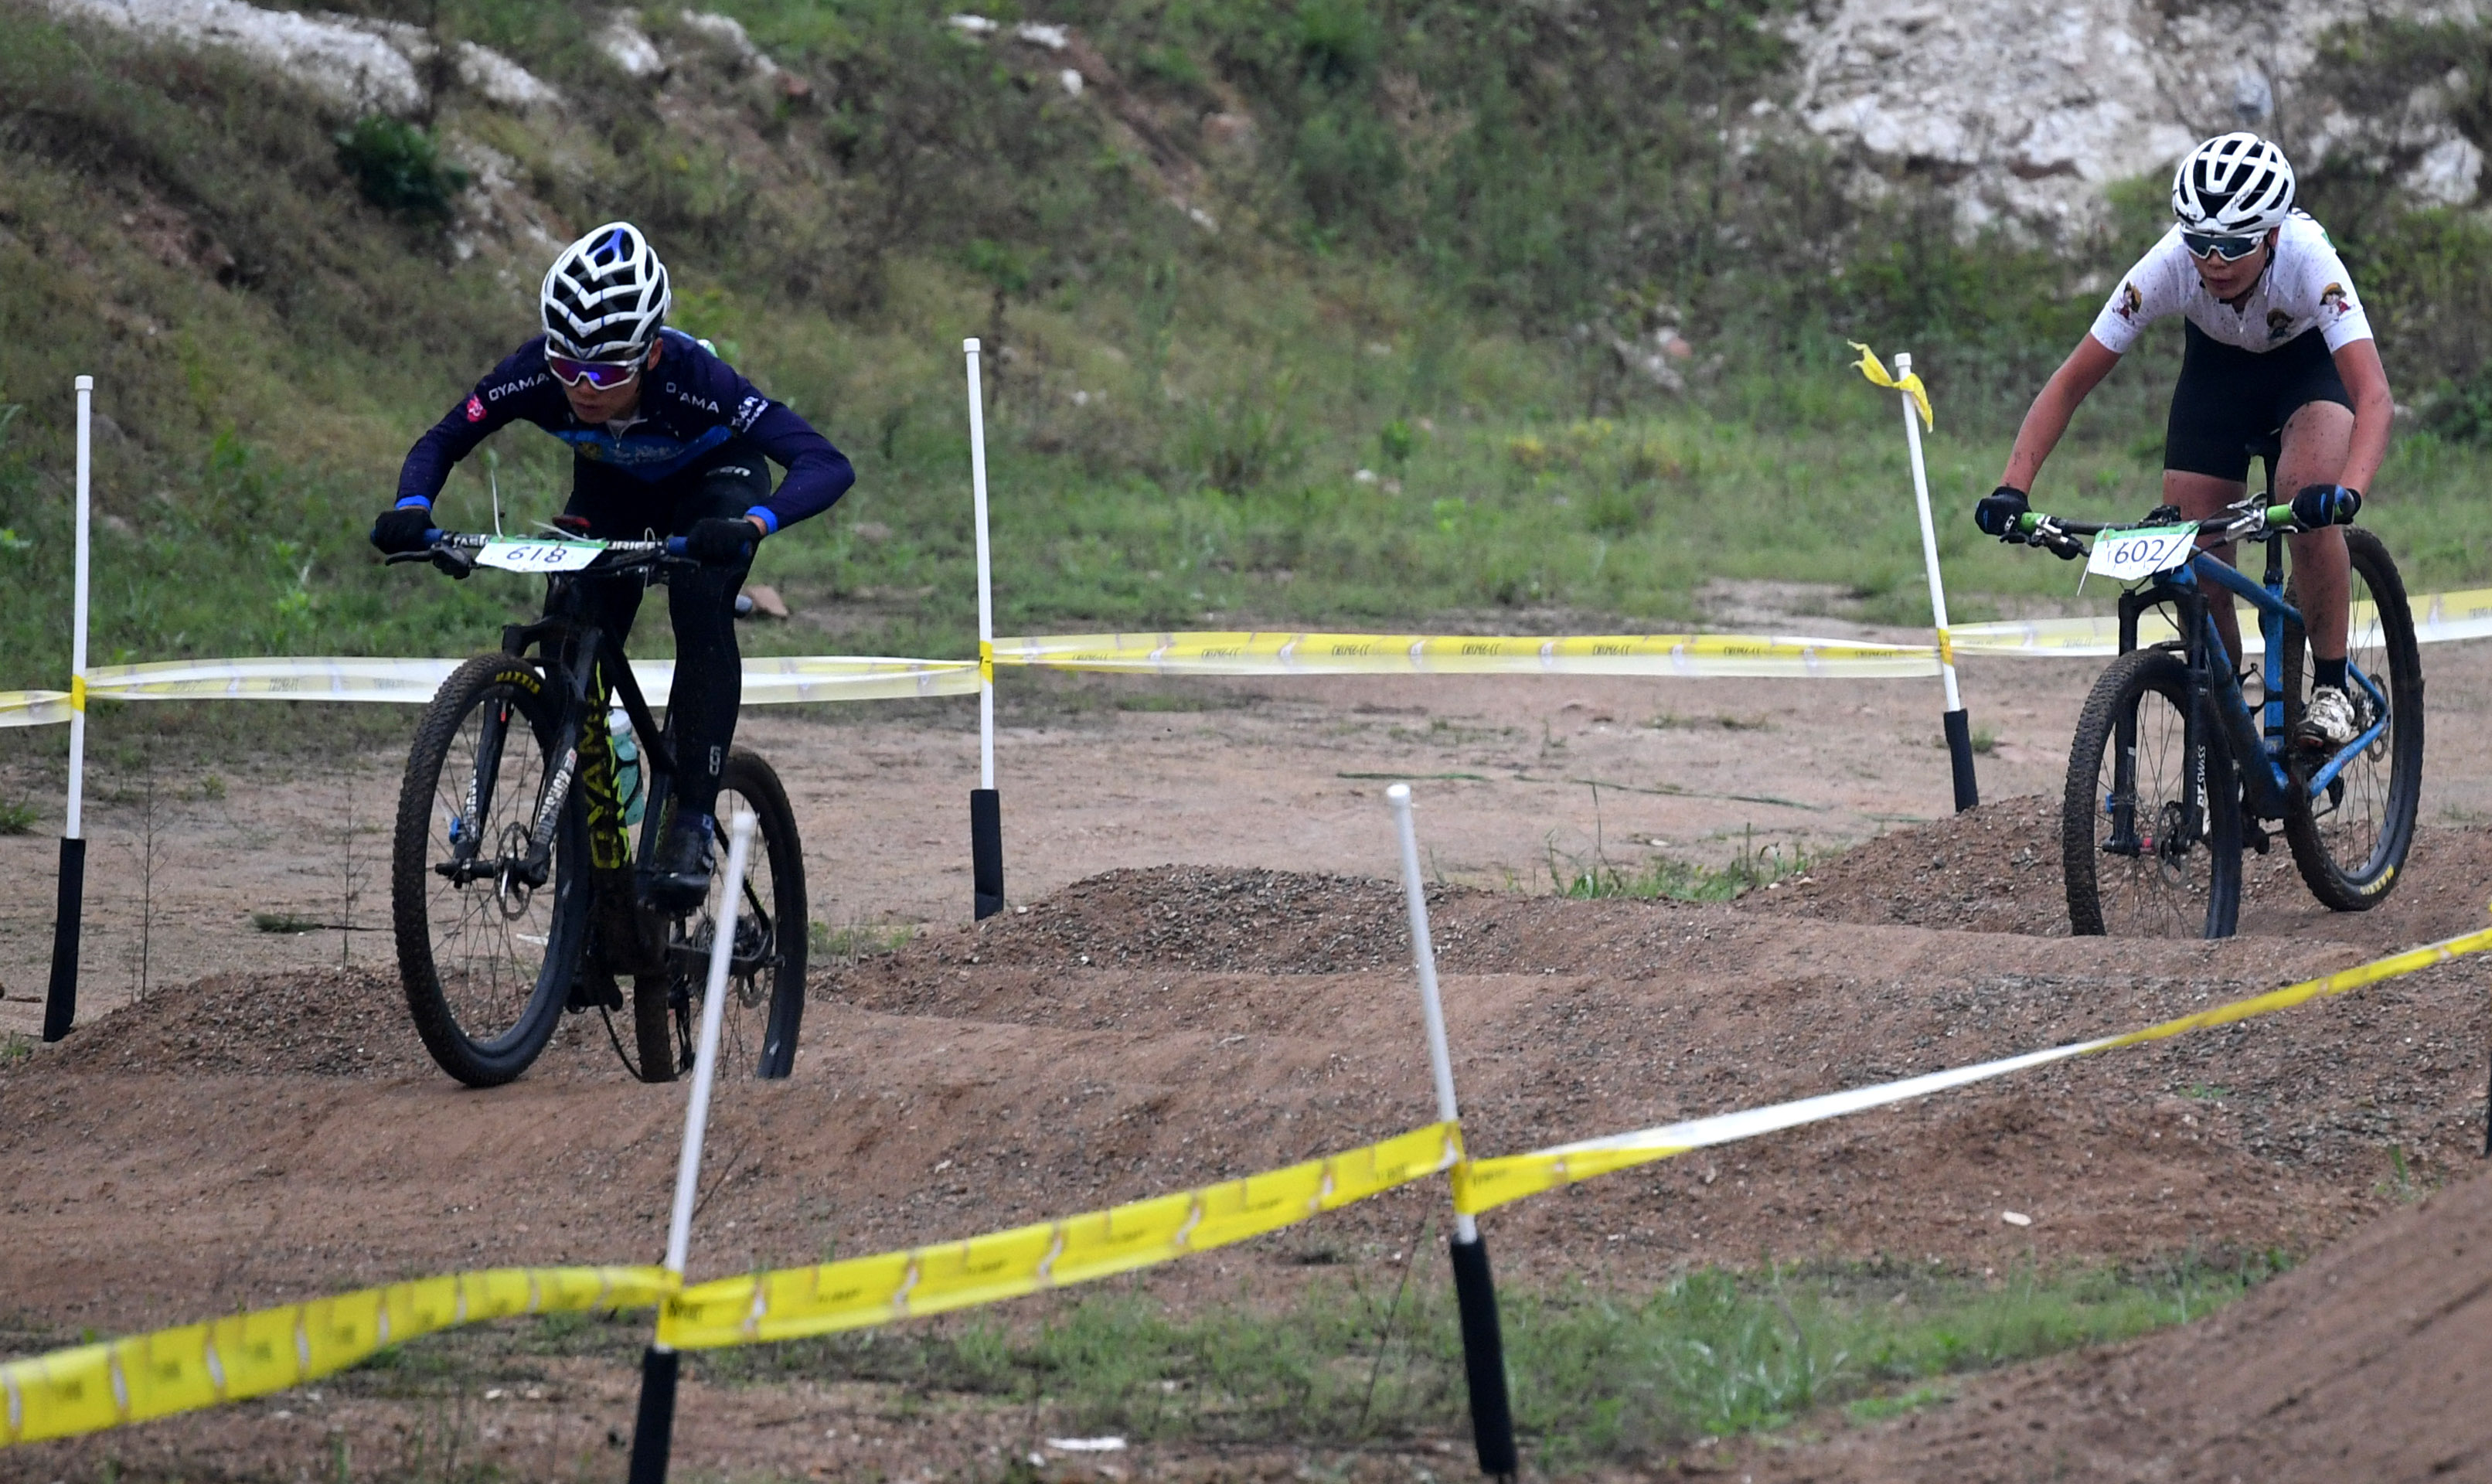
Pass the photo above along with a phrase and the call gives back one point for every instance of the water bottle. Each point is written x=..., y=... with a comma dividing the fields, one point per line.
x=627, y=790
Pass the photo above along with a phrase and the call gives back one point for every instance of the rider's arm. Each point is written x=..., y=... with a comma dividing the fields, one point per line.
x=818, y=473
x=2374, y=409
x=496, y=400
x=2048, y=418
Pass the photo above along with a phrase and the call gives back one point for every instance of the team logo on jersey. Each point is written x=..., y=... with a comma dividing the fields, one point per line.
x=2334, y=299
x=748, y=412
x=475, y=410
x=2129, y=301
x=2279, y=324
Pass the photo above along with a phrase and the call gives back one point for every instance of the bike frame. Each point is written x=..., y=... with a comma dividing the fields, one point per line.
x=583, y=660
x=2258, y=745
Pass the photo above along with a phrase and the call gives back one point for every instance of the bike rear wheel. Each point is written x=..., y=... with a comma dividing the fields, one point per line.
x=2351, y=841
x=765, y=986
x=2150, y=826
x=488, y=938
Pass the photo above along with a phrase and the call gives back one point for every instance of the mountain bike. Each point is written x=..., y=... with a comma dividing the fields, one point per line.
x=515, y=885
x=2172, y=773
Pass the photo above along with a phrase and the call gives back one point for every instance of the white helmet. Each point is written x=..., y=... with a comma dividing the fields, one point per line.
x=605, y=297
x=2235, y=184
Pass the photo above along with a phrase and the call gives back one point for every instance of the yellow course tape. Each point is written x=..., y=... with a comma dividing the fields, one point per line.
x=1482, y=1185
x=1911, y=386
x=861, y=1292
x=93, y=1387
x=1409, y=654
x=2439, y=618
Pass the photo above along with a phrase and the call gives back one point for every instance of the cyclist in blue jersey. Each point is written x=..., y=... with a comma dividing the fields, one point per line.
x=666, y=439
x=2277, y=347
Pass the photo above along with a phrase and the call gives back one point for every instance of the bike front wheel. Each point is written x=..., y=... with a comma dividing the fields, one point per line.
x=488, y=925
x=2351, y=839
x=2150, y=825
x=765, y=984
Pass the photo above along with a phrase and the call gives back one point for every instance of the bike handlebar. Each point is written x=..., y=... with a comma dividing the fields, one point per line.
x=452, y=553
x=2245, y=521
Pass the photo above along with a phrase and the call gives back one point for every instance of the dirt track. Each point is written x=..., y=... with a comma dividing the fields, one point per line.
x=262, y=1134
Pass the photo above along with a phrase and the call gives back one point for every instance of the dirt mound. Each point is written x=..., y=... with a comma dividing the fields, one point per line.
x=2365, y=1363
x=252, y=1138
x=1996, y=869
x=321, y=1022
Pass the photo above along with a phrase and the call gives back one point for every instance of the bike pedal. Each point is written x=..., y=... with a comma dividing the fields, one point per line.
x=2258, y=838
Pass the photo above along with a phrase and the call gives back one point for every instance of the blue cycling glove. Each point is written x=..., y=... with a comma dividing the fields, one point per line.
x=722, y=541
x=2324, y=505
x=402, y=529
x=1998, y=511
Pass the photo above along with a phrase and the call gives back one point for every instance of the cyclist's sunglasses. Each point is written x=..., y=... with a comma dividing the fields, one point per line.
x=2231, y=250
x=602, y=375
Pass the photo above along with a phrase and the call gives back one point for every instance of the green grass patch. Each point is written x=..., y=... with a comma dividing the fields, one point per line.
x=1668, y=875
x=1598, y=1377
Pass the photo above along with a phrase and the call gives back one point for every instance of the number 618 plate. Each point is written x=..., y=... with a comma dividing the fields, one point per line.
x=2124, y=556
x=547, y=555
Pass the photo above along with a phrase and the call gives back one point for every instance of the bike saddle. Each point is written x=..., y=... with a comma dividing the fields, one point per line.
x=570, y=525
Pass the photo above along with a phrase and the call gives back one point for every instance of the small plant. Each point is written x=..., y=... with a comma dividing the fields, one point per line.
x=1984, y=741
x=1396, y=442
x=399, y=168
x=284, y=922
x=16, y=1047
x=17, y=817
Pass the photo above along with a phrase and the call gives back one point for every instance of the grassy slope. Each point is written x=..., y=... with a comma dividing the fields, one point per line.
x=1230, y=383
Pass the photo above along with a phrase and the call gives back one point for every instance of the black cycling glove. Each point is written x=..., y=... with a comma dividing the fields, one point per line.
x=1998, y=511
x=402, y=529
x=722, y=541
x=2323, y=505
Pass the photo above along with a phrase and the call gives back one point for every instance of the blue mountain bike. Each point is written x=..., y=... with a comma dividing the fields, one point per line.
x=2173, y=771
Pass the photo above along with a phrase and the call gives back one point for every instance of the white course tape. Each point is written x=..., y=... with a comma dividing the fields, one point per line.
x=768, y=680
x=34, y=708
x=1481, y=1185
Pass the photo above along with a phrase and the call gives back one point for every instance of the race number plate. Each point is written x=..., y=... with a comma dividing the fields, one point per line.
x=2124, y=556
x=546, y=555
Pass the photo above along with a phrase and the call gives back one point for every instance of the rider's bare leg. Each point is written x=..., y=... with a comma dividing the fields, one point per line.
x=2198, y=497
x=2317, y=438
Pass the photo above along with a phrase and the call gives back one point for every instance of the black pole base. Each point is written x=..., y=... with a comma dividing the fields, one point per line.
x=653, y=1431
x=1484, y=1360
x=60, y=1002
x=987, y=851
x=1959, y=739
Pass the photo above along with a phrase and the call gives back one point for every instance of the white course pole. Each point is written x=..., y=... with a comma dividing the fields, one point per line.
x=1959, y=732
x=1475, y=1289
x=653, y=1434
x=986, y=808
x=60, y=1002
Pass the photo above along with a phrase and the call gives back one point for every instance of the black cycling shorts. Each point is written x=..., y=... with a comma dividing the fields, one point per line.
x=2229, y=399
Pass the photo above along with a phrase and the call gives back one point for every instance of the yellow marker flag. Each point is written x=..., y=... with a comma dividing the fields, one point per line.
x=1911, y=386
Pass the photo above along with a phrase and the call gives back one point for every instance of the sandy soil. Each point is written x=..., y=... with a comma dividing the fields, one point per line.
x=265, y=1126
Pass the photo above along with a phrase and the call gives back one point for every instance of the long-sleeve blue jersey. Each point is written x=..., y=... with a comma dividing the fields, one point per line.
x=691, y=401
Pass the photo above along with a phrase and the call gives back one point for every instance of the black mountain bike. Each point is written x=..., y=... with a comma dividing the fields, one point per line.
x=515, y=882
x=2172, y=772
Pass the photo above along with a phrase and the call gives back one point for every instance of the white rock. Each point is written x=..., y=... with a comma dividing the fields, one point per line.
x=974, y=25
x=2024, y=113
x=1071, y=79
x=630, y=49
x=1053, y=38
x=361, y=64
x=2448, y=174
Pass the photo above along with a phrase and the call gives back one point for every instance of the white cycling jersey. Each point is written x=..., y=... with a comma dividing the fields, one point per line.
x=2305, y=284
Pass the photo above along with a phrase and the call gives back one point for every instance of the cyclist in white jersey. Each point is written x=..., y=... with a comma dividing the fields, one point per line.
x=2276, y=343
